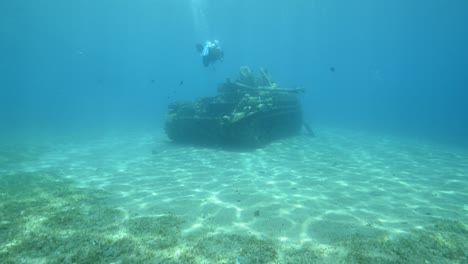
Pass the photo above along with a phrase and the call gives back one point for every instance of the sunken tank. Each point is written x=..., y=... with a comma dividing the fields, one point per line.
x=249, y=112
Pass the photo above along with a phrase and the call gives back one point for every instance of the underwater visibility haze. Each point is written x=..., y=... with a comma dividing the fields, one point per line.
x=355, y=117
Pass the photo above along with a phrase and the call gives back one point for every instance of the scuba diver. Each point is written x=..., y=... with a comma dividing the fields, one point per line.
x=211, y=52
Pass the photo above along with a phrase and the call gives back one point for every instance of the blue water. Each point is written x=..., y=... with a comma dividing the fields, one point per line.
x=399, y=66
x=87, y=174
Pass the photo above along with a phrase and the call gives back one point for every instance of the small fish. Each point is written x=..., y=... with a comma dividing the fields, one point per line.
x=181, y=82
x=332, y=69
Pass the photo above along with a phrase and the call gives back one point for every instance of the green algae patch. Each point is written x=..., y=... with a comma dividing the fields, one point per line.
x=225, y=248
x=305, y=254
x=158, y=232
x=45, y=219
x=442, y=242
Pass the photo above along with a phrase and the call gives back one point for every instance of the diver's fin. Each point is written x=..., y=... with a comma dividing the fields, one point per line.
x=310, y=133
x=199, y=47
x=206, y=61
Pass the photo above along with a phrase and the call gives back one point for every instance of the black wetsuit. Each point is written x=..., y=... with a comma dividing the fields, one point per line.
x=214, y=54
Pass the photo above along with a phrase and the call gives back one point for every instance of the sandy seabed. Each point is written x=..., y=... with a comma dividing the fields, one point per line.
x=341, y=197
